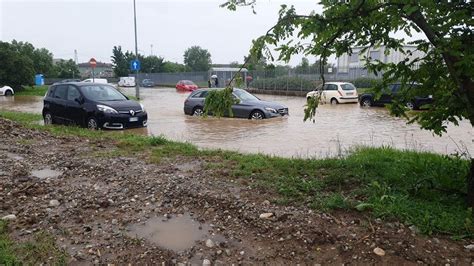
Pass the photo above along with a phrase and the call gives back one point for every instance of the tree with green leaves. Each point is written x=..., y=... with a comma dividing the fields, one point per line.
x=303, y=67
x=17, y=69
x=120, y=65
x=172, y=67
x=445, y=70
x=42, y=58
x=197, y=59
x=152, y=64
x=66, y=69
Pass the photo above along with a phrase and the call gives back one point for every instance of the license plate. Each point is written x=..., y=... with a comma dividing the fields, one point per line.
x=133, y=119
x=349, y=93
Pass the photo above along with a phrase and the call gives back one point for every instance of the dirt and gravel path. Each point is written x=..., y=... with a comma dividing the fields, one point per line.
x=113, y=210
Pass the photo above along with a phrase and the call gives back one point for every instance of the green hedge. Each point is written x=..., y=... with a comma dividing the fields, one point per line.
x=365, y=82
x=285, y=83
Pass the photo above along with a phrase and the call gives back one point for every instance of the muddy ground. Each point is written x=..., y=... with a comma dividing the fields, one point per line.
x=124, y=210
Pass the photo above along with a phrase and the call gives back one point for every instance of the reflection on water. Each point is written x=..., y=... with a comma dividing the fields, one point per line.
x=337, y=128
x=32, y=104
x=178, y=233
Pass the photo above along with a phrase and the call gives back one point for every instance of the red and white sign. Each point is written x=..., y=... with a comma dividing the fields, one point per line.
x=93, y=62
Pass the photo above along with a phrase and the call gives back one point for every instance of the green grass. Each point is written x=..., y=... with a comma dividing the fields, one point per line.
x=33, y=90
x=41, y=248
x=7, y=255
x=424, y=189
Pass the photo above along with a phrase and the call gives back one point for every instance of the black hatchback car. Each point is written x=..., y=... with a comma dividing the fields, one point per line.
x=92, y=105
x=368, y=99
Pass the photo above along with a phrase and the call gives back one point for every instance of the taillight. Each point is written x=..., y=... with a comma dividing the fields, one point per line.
x=338, y=91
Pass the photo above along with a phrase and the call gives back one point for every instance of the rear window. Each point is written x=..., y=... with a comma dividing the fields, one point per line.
x=60, y=92
x=348, y=87
x=50, y=92
x=330, y=87
x=200, y=94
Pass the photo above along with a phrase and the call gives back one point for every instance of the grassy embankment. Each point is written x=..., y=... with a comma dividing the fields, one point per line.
x=32, y=91
x=422, y=189
x=42, y=248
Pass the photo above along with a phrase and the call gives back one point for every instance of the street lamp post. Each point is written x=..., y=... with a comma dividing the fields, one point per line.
x=137, y=89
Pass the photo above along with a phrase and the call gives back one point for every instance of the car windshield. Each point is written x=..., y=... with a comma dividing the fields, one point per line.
x=102, y=93
x=347, y=87
x=245, y=96
x=188, y=82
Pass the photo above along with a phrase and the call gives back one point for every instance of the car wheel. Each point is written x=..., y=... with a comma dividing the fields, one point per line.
x=334, y=101
x=92, y=123
x=366, y=102
x=198, y=111
x=257, y=115
x=8, y=93
x=48, y=119
x=410, y=105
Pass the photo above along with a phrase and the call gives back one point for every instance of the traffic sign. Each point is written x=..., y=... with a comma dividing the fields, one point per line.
x=135, y=65
x=92, y=62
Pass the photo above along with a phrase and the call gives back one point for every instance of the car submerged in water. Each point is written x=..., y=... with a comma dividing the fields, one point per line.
x=92, y=105
x=394, y=91
x=249, y=106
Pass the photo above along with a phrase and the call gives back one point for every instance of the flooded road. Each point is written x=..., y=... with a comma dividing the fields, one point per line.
x=337, y=128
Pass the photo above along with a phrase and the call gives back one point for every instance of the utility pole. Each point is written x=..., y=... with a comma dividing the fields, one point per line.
x=151, y=49
x=75, y=62
x=137, y=88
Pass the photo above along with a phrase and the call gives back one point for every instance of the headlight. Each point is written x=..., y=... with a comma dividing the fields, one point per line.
x=106, y=109
x=271, y=110
x=143, y=108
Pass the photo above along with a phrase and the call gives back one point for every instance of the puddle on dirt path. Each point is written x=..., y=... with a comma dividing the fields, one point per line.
x=188, y=166
x=178, y=233
x=15, y=156
x=45, y=173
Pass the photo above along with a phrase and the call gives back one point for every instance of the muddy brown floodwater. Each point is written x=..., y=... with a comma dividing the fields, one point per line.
x=336, y=130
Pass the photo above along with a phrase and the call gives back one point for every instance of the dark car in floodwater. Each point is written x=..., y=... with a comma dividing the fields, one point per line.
x=393, y=91
x=148, y=83
x=92, y=105
x=249, y=106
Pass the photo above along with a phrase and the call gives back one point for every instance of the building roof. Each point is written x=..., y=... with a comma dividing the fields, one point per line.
x=99, y=64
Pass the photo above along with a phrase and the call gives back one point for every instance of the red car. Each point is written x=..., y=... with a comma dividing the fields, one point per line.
x=186, y=85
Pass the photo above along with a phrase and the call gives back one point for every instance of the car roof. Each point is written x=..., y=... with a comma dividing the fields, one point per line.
x=82, y=83
x=336, y=82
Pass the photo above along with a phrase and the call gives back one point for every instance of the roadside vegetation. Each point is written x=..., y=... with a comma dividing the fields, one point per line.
x=42, y=247
x=32, y=91
x=417, y=188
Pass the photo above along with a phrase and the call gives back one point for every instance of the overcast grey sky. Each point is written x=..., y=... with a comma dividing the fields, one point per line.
x=171, y=26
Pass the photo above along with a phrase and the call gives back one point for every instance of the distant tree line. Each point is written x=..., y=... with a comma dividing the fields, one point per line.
x=195, y=59
x=21, y=61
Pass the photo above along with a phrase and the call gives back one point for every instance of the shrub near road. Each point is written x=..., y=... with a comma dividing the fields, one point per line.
x=420, y=189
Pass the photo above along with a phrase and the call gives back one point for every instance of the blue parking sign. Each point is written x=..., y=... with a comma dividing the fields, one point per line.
x=135, y=65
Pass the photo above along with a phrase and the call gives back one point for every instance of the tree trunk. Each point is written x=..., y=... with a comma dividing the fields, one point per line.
x=468, y=86
x=470, y=186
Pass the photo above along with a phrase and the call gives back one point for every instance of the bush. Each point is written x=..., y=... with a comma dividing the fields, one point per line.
x=365, y=82
x=285, y=83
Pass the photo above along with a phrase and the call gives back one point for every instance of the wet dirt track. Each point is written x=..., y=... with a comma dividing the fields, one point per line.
x=104, y=210
x=337, y=128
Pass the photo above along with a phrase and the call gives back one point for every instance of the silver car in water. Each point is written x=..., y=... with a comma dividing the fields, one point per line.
x=249, y=106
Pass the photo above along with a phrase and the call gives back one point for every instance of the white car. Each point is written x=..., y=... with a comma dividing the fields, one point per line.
x=126, y=82
x=7, y=91
x=336, y=92
x=96, y=80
